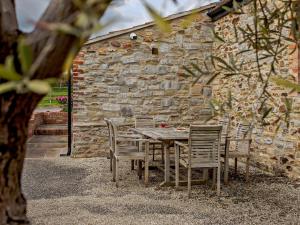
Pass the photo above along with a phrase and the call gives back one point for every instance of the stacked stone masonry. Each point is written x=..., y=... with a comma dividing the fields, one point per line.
x=121, y=78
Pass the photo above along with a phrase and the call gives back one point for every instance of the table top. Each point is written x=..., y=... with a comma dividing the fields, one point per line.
x=163, y=134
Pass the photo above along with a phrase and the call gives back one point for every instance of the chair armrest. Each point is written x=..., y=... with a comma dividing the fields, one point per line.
x=120, y=139
x=239, y=139
x=129, y=136
x=181, y=144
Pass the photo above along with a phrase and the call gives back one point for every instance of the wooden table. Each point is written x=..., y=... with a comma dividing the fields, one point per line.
x=167, y=136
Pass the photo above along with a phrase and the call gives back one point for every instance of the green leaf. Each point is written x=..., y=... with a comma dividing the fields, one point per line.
x=213, y=78
x=286, y=83
x=189, y=71
x=7, y=86
x=267, y=112
x=25, y=55
x=8, y=74
x=82, y=20
x=162, y=24
x=38, y=86
x=226, y=8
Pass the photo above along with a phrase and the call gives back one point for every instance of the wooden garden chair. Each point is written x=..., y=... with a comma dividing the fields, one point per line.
x=121, y=134
x=148, y=122
x=241, y=149
x=125, y=148
x=202, y=151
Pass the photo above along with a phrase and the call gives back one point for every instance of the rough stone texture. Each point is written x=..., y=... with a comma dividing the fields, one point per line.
x=119, y=77
x=277, y=152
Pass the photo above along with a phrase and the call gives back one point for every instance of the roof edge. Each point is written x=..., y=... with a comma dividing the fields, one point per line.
x=219, y=12
x=149, y=24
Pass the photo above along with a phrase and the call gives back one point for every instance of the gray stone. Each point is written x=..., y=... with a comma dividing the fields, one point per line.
x=111, y=107
x=207, y=91
x=126, y=111
x=150, y=69
x=167, y=102
x=169, y=84
x=128, y=59
x=113, y=89
x=162, y=70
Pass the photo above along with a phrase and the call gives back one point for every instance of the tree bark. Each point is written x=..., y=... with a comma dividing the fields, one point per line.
x=16, y=109
x=13, y=136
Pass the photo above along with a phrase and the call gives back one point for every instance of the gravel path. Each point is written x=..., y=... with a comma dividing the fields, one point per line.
x=67, y=191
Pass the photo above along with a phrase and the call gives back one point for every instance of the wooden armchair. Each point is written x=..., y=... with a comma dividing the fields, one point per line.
x=125, y=148
x=203, y=151
x=241, y=149
x=121, y=134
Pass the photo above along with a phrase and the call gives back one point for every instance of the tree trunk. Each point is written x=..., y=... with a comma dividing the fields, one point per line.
x=16, y=109
x=13, y=136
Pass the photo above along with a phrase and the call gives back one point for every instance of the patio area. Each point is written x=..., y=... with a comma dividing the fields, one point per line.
x=80, y=191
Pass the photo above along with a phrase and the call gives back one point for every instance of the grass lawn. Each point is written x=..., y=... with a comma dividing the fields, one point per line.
x=50, y=99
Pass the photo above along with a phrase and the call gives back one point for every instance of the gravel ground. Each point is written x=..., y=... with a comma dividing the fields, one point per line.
x=69, y=191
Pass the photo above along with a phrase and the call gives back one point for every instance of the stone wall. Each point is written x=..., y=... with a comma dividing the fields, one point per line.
x=275, y=151
x=119, y=77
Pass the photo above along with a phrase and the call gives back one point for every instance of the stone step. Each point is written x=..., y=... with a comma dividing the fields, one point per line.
x=51, y=129
x=45, y=152
x=48, y=139
x=47, y=146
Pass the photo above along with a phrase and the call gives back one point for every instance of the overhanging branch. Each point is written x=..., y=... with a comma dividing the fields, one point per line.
x=62, y=12
x=8, y=28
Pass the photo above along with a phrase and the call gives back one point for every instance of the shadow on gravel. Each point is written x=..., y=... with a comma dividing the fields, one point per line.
x=46, y=180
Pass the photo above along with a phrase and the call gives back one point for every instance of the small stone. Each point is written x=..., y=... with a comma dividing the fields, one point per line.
x=115, y=44
x=127, y=45
x=102, y=51
x=148, y=39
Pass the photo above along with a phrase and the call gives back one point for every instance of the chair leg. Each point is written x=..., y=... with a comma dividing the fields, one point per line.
x=147, y=164
x=111, y=160
x=117, y=172
x=205, y=174
x=132, y=164
x=176, y=166
x=235, y=166
x=162, y=155
x=114, y=168
x=153, y=152
x=247, y=169
x=189, y=180
x=226, y=169
x=214, y=178
x=218, y=180
x=140, y=169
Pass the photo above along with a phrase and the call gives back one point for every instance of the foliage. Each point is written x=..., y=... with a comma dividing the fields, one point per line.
x=275, y=26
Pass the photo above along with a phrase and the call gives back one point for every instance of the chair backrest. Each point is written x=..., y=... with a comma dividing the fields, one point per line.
x=109, y=132
x=114, y=132
x=144, y=122
x=225, y=123
x=244, y=131
x=204, y=144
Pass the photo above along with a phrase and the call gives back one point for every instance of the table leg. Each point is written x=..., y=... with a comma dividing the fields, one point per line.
x=167, y=162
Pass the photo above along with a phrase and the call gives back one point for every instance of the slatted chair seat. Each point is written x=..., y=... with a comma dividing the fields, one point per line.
x=130, y=155
x=203, y=151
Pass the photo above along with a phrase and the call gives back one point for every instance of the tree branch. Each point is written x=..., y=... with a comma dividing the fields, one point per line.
x=62, y=12
x=8, y=28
